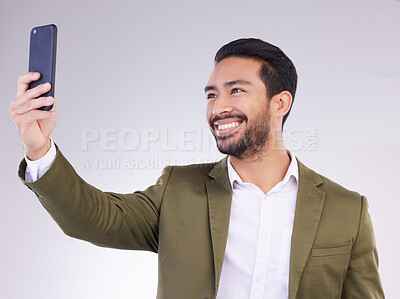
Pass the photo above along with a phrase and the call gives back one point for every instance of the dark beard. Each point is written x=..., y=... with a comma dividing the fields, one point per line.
x=253, y=141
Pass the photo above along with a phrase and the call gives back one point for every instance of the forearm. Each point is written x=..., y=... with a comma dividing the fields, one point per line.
x=82, y=211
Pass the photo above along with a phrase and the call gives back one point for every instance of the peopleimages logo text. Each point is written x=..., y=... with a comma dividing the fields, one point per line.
x=181, y=140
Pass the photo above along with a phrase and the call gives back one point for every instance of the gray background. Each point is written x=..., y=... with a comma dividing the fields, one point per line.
x=130, y=65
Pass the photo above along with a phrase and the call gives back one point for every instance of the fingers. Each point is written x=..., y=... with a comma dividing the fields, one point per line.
x=23, y=120
x=33, y=93
x=31, y=105
x=24, y=80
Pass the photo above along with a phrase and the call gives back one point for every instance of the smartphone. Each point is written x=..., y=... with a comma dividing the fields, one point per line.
x=42, y=57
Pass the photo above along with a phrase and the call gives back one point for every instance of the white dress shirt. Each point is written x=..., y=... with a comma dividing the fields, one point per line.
x=257, y=255
x=35, y=169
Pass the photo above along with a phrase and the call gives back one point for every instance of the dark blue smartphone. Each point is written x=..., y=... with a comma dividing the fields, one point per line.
x=42, y=57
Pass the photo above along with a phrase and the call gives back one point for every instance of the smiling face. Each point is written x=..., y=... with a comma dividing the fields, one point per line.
x=238, y=107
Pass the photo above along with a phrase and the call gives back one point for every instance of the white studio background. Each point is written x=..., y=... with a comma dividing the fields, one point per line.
x=140, y=67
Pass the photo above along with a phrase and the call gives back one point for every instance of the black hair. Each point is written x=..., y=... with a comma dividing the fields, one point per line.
x=277, y=71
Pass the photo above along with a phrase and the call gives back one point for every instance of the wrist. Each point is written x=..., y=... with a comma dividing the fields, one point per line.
x=36, y=154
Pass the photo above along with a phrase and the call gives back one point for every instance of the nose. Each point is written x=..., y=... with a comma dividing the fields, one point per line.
x=222, y=105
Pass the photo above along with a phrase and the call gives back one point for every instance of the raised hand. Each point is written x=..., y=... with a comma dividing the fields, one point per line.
x=34, y=126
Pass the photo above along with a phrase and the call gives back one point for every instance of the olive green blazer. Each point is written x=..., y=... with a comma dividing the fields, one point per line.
x=184, y=217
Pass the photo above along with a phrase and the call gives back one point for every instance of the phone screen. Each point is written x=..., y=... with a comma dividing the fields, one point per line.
x=42, y=57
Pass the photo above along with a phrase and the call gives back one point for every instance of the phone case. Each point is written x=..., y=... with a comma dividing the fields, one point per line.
x=42, y=57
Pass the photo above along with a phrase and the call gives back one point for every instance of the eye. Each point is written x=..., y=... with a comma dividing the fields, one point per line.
x=236, y=90
x=211, y=96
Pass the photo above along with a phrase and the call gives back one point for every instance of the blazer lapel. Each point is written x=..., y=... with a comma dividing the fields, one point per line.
x=219, y=194
x=309, y=205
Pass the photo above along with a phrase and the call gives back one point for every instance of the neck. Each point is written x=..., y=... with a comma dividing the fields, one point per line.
x=266, y=169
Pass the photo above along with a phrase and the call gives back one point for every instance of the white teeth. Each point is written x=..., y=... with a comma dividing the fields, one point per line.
x=228, y=126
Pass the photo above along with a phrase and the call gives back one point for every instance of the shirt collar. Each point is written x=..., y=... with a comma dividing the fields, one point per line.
x=293, y=171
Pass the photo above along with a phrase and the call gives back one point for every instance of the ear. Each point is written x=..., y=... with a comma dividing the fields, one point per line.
x=282, y=103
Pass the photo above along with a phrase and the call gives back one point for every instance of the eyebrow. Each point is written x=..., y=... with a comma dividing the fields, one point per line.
x=229, y=83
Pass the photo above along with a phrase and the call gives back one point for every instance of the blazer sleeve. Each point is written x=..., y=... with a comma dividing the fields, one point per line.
x=362, y=278
x=124, y=221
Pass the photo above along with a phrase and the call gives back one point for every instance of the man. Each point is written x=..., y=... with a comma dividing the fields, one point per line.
x=257, y=224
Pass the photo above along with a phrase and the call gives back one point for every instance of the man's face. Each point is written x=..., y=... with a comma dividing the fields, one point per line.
x=238, y=107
